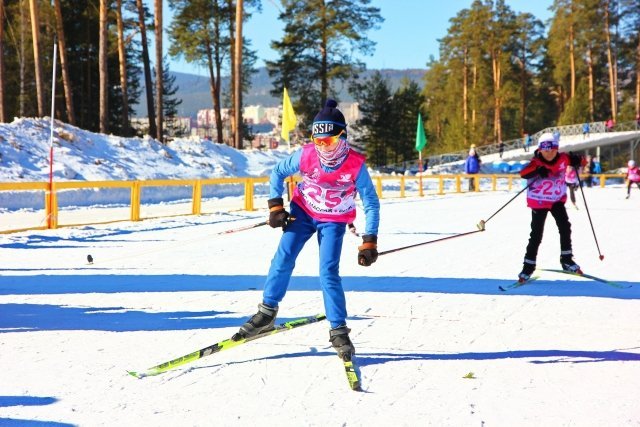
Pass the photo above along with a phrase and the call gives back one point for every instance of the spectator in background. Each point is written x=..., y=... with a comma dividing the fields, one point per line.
x=597, y=169
x=501, y=148
x=588, y=170
x=472, y=166
x=586, y=129
x=527, y=142
x=609, y=125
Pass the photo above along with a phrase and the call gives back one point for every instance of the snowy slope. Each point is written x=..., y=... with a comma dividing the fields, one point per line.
x=83, y=155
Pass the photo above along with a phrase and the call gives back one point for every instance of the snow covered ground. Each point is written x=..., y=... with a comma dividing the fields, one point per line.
x=438, y=343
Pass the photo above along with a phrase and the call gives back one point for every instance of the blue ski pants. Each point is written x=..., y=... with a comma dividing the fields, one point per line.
x=294, y=237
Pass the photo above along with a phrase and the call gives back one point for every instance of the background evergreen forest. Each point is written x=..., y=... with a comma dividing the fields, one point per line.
x=193, y=90
x=499, y=74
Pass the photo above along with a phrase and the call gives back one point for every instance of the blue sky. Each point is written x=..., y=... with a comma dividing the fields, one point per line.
x=406, y=39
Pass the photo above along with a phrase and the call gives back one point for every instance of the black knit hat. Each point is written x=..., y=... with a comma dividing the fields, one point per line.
x=329, y=121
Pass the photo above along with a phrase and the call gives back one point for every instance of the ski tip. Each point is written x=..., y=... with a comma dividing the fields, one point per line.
x=356, y=387
x=502, y=289
x=136, y=374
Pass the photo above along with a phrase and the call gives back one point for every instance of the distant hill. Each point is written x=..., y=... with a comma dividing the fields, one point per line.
x=195, y=94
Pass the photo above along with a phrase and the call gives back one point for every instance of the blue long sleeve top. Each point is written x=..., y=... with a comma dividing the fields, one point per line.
x=291, y=165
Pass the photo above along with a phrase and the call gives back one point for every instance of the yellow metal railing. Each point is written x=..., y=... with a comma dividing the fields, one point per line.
x=414, y=185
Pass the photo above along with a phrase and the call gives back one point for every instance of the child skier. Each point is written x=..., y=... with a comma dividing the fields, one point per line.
x=547, y=193
x=323, y=203
x=633, y=176
x=571, y=178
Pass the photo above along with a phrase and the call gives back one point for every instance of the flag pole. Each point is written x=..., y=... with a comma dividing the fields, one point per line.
x=289, y=122
x=420, y=172
x=421, y=142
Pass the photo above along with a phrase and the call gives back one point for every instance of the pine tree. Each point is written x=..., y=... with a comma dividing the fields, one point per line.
x=319, y=48
x=199, y=34
x=170, y=102
x=376, y=126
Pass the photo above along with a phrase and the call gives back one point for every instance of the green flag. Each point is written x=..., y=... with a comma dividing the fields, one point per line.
x=421, y=138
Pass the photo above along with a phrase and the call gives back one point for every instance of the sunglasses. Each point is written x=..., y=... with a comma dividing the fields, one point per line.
x=326, y=141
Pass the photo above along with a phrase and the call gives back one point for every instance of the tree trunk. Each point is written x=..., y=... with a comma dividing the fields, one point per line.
x=638, y=77
x=122, y=59
x=2, y=76
x=612, y=67
x=159, y=63
x=64, y=65
x=572, y=60
x=148, y=85
x=214, y=87
x=218, y=110
x=22, y=59
x=590, y=77
x=475, y=96
x=324, y=67
x=465, y=95
x=35, y=30
x=232, y=78
x=238, y=75
x=523, y=88
x=102, y=66
x=497, y=87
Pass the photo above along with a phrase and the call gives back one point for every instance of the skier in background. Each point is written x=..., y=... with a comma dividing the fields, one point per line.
x=547, y=193
x=571, y=178
x=633, y=176
x=323, y=204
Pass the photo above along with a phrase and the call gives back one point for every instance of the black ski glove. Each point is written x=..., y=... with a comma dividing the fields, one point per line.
x=575, y=160
x=368, y=251
x=278, y=216
x=542, y=171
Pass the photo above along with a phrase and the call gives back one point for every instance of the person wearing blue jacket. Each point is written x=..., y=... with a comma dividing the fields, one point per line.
x=472, y=166
x=323, y=203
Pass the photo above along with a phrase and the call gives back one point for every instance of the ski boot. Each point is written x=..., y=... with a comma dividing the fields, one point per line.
x=260, y=322
x=568, y=264
x=528, y=267
x=339, y=338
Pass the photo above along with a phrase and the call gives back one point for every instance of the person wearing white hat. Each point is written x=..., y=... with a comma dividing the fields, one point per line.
x=547, y=192
x=633, y=176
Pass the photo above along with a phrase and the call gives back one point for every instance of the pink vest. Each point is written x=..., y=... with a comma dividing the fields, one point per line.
x=571, y=176
x=544, y=192
x=633, y=174
x=328, y=196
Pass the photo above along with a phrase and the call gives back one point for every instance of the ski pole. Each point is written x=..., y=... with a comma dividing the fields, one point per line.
x=246, y=227
x=426, y=243
x=482, y=222
x=352, y=230
x=589, y=216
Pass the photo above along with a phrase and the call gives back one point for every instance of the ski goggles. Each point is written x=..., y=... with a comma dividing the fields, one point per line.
x=326, y=141
x=548, y=145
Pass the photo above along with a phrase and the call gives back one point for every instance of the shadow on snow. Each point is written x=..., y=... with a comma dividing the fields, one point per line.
x=18, y=317
x=67, y=284
x=6, y=401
